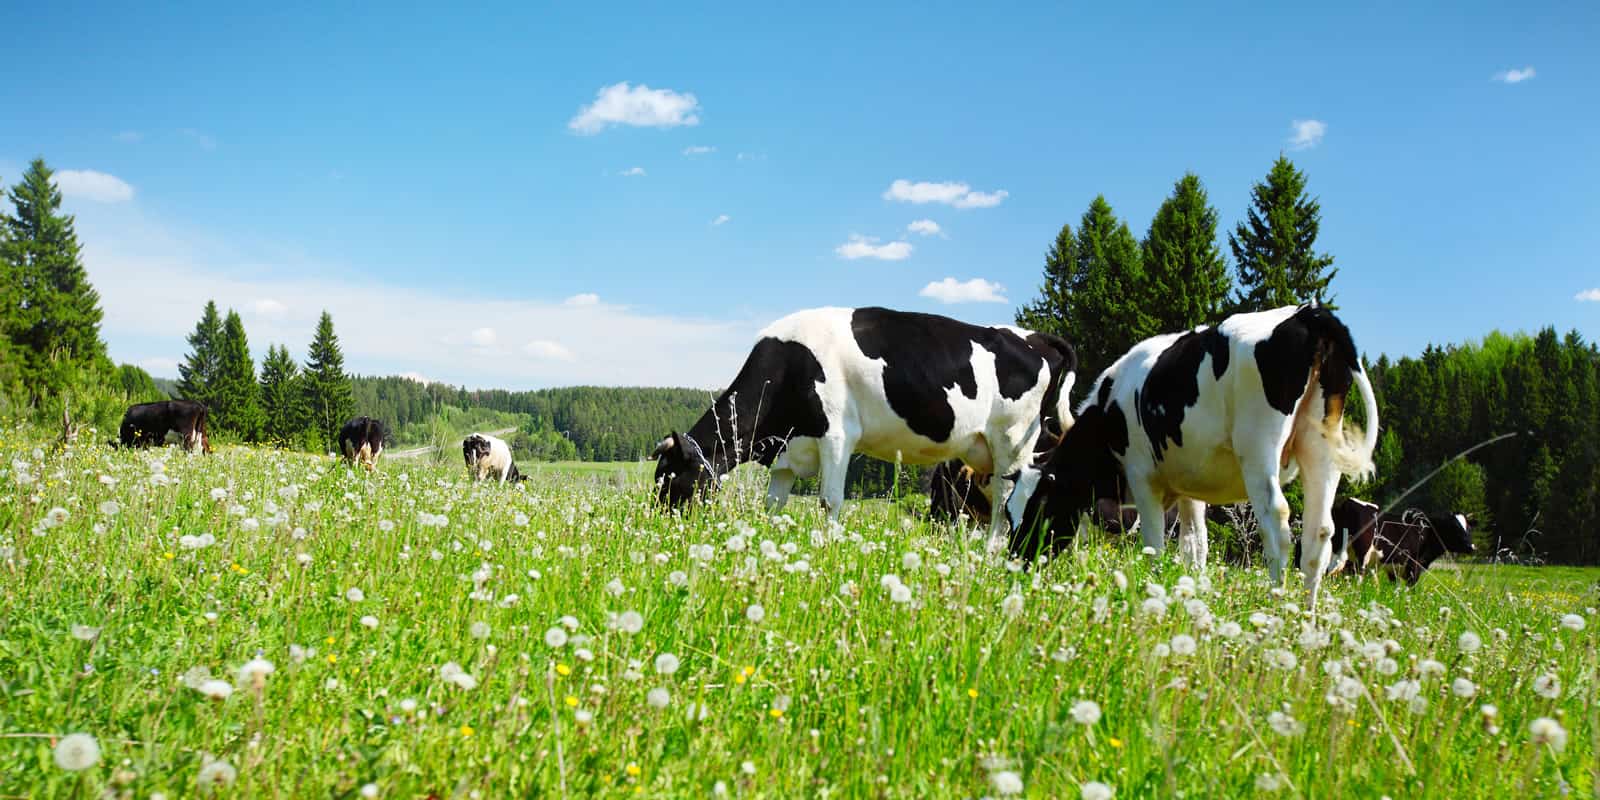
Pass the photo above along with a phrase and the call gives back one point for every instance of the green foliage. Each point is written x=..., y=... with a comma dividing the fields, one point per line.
x=327, y=387
x=51, y=317
x=1187, y=274
x=1274, y=247
x=199, y=370
x=235, y=397
x=282, y=399
x=137, y=385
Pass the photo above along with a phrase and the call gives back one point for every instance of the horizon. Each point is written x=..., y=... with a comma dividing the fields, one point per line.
x=523, y=199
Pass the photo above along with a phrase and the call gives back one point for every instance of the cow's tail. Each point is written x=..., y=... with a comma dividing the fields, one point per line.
x=1339, y=369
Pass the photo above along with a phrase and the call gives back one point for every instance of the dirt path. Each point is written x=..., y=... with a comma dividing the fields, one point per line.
x=426, y=449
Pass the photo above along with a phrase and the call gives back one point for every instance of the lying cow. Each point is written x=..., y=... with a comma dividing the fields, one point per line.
x=1214, y=415
x=489, y=457
x=181, y=422
x=1408, y=543
x=361, y=441
x=822, y=384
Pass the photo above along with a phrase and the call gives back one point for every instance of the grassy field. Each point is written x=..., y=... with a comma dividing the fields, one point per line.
x=266, y=624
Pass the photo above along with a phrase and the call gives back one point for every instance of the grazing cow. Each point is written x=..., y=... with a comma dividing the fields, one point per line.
x=180, y=422
x=361, y=441
x=899, y=386
x=489, y=456
x=1408, y=543
x=1214, y=415
x=953, y=489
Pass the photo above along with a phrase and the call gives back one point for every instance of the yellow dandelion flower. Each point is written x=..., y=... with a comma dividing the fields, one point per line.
x=333, y=659
x=749, y=672
x=563, y=670
x=1117, y=743
x=328, y=640
x=739, y=678
x=572, y=702
x=169, y=555
x=466, y=730
x=972, y=693
x=633, y=770
x=777, y=713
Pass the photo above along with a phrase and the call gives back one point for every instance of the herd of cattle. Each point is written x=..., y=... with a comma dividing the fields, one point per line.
x=1217, y=415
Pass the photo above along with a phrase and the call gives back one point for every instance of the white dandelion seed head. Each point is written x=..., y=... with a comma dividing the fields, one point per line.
x=1269, y=782
x=369, y=622
x=1183, y=645
x=1548, y=686
x=755, y=613
x=911, y=562
x=217, y=774
x=1463, y=687
x=1012, y=605
x=900, y=593
x=1154, y=607
x=1085, y=712
x=1469, y=642
x=666, y=664
x=658, y=698
x=1285, y=725
x=1545, y=730
x=77, y=751
x=1573, y=622
x=85, y=633
x=1006, y=783
x=253, y=675
x=369, y=791
x=630, y=622
x=479, y=630
x=216, y=690
x=355, y=595
x=1095, y=790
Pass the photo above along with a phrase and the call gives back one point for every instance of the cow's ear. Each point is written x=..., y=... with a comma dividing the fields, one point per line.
x=665, y=445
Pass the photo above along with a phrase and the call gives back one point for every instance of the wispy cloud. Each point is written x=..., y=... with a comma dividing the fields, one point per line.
x=867, y=247
x=722, y=219
x=633, y=172
x=950, y=193
x=205, y=140
x=482, y=337
x=751, y=157
x=267, y=307
x=86, y=184
x=1588, y=296
x=547, y=350
x=1305, y=134
x=976, y=290
x=418, y=377
x=129, y=137
x=698, y=150
x=925, y=227
x=636, y=106
x=582, y=300
x=1515, y=75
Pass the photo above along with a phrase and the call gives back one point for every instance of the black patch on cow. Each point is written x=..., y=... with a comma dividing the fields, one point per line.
x=1285, y=358
x=1116, y=429
x=924, y=355
x=1173, y=385
x=362, y=430
x=147, y=424
x=1104, y=395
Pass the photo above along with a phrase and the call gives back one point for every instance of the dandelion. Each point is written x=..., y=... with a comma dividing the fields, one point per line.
x=217, y=774
x=77, y=751
x=666, y=664
x=55, y=516
x=678, y=578
x=219, y=494
x=1463, y=687
x=1012, y=605
x=900, y=593
x=1006, y=783
x=110, y=508
x=1269, y=782
x=1469, y=643
x=1095, y=790
x=215, y=690
x=1545, y=730
x=453, y=674
x=355, y=595
x=1284, y=724
x=369, y=791
x=1183, y=645
x=583, y=716
x=479, y=630
x=658, y=698
x=1386, y=666
x=569, y=622
x=1349, y=688
x=1154, y=606
x=408, y=706
x=1573, y=622
x=84, y=633
x=1547, y=686
x=370, y=622
x=555, y=638
x=1085, y=712
x=615, y=588
x=1282, y=659
x=1230, y=630
x=1428, y=668
x=911, y=562
x=1404, y=690
x=630, y=622
x=253, y=675
x=755, y=613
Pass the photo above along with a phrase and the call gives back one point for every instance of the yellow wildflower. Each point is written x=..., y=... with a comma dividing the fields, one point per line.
x=466, y=730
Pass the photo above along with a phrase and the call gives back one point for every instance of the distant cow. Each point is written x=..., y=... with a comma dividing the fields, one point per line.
x=361, y=441
x=181, y=422
x=953, y=489
x=1408, y=543
x=1214, y=415
x=894, y=385
x=489, y=457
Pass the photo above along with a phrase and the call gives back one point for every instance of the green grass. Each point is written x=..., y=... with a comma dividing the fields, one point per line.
x=837, y=690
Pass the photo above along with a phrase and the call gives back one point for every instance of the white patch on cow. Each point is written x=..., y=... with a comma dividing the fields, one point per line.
x=1027, y=484
x=497, y=462
x=1462, y=521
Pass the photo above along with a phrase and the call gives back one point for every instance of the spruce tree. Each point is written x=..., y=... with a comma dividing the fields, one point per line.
x=327, y=387
x=1274, y=246
x=1187, y=272
x=198, y=373
x=236, y=399
x=1049, y=313
x=52, y=313
x=282, y=398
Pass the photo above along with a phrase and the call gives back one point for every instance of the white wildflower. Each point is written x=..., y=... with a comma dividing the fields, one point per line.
x=77, y=751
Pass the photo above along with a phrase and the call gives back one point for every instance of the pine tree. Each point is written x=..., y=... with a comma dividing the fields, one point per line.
x=52, y=314
x=327, y=387
x=1049, y=312
x=282, y=398
x=1273, y=247
x=236, y=399
x=199, y=371
x=1187, y=273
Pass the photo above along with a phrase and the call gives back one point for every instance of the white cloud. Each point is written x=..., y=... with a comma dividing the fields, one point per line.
x=926, y=227
x=1588, y=296
x=129, y=137
x=950, y=193
x=638, y=106
x=976, y=290
x=419, y=378
x=581, y=300
x=86, y=184
x=201, y=138
x=751, y=156
x=267, y=307
x=633, y=172
x=1306, y=133
x=867, y=247
x=1515, y=75
x=721, y=219
x=547, y=350
x=698, y=150
x=482, y=337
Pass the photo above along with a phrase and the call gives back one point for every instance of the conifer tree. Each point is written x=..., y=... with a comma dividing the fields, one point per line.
x=327, y=387
x=1050, y=311
x=1274, y=247
x=1188, y=277
x=236, y=399
x=282, y=398
x=200, y=369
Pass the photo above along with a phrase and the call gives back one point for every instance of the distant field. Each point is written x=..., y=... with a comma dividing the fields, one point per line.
x=640, y=470
x=270, y=624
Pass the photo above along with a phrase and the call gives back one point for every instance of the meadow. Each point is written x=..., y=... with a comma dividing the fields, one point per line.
x=259, y=623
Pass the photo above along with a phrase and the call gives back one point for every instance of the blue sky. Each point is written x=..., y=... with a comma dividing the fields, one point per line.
x=456, y=189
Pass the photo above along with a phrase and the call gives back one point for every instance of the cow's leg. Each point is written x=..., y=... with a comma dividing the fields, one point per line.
x=1320, y=479
x=834, y=454
x=999, y=490
x=780, y=481
x=1271, y=510
x=1152, y=512
x=1192, y=538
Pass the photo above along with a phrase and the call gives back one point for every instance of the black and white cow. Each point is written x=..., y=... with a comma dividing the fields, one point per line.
x=181, y=422
x=954, y=490
x=361, y=441
x=489, y=457
x=1408, y=543
x=1214, y=415
x=824, y=383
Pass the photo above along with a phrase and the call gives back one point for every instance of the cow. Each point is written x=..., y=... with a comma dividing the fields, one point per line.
x=1408, y=543
x=1213, y=415
x=915, y=388
x=489, y=456
x=181, y=422
x=953, y=491
x=361, y=441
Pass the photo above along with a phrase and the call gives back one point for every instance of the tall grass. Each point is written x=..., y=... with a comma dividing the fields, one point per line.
x=802, y=668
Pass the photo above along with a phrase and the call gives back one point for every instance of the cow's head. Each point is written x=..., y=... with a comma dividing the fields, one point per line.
x=475, y=449
x=682, y=470
x=1046, y=501
x=1455, y=532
